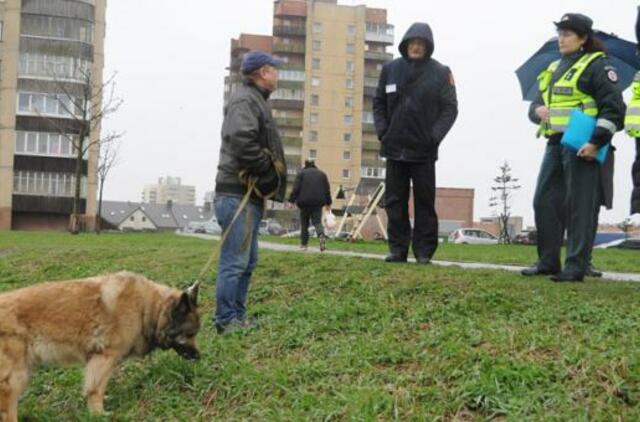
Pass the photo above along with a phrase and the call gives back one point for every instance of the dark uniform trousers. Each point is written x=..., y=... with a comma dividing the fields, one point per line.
x=396, y=203
x=313, y=214
x=567, y=196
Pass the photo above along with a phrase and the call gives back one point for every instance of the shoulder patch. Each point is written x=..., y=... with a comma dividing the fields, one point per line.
x=612, y=75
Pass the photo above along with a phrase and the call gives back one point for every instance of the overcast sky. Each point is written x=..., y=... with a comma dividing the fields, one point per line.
x=171, y=58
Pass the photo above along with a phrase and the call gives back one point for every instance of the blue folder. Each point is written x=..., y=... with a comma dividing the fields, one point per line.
x=579, y=132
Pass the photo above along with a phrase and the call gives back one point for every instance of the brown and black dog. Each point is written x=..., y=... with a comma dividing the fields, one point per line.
x=95, y=321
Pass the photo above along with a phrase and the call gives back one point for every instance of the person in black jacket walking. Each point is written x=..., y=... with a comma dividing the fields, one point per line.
x=414, y=108
x=311, y=192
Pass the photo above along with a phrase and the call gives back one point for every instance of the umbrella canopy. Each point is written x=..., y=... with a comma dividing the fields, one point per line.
x=621, y=53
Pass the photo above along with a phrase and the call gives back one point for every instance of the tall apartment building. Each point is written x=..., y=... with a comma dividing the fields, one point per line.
x=323, y=105
x=169, y=189
x=44, y=47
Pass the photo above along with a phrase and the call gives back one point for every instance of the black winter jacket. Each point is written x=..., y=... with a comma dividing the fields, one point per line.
x=311, y=189
x=248, y=130
x=635, y=174
x=415, y=104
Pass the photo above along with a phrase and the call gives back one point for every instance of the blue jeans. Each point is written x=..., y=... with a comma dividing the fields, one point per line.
x=236, y=262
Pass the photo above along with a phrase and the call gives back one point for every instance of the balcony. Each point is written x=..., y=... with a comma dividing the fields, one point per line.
x=371, y=145
x=378, y=56
x=289, y=48
x=369, y=162
x=288, y=122
x=368, y=127
x=282, y=104
x=292, y=66
x=379, y=33
x=286, y=84
x=293, y=161
x=372, y=73
x=288, y=141
x=369, y=91
x=289, y=31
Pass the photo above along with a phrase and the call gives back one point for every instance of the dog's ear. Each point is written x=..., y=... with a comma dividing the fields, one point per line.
x=183, y=306
x=192, y=293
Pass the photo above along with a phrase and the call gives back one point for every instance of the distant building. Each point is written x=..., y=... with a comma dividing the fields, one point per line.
x=169, y=189
x=134, y=216
x=492, y=225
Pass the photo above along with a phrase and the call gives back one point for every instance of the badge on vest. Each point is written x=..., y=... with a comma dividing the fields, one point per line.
x=390, y=88
x=562, y=90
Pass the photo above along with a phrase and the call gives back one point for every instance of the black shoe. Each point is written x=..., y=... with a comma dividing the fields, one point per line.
x=535, y=270
x=562, y=277
x=423, y=260
x=592, y=272
x=323, y=243
x=395, y=258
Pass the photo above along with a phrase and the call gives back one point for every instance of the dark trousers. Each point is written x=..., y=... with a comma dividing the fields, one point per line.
x=313, y=215
x=566, y=198
x=424, y=238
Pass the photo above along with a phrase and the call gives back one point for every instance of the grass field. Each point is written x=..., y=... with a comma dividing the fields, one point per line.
x=355, y=339
x=619, y=260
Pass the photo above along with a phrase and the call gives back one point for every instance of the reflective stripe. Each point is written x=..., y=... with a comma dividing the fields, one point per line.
x=637, y=77
x=558, y=128
x=634, y=126
x=563, y=112
x=589, y=104
x=633, y=111
x=608, y=125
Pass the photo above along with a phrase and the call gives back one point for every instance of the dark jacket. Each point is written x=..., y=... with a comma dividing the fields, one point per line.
x=597, y=82
x=415, y=103
x=311, y=189
x=250, y=141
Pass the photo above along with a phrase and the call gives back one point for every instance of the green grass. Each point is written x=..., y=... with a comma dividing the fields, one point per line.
x=355, y=339
x=617, y=260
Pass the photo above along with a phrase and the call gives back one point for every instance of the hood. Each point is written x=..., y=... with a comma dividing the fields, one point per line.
x=638, y=27
x=417, y=30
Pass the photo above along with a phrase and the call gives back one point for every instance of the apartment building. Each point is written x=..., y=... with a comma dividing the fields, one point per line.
x=169, y=190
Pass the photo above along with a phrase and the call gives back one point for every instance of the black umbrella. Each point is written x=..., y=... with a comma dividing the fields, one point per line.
x=621, y=53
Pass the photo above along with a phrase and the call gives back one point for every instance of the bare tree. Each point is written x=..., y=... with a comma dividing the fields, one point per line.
x=108, y=159
x=85, y=101
x=505, y=185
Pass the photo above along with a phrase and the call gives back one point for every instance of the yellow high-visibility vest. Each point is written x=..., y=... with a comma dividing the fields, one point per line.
x=632, y=119
x=565, y=96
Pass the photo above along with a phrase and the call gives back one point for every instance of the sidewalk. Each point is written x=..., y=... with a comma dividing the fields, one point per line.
x=607, y=276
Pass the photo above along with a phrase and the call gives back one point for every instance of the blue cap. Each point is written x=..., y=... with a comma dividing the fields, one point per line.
x=255, y=59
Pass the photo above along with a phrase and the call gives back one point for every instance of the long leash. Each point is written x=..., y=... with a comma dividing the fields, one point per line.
x=251, y=182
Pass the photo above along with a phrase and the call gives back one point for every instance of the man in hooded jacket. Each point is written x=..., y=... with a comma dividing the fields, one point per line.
x=414, y=108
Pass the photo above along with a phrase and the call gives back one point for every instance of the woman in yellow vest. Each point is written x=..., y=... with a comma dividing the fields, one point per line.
x=569, y=188
x=632, y=124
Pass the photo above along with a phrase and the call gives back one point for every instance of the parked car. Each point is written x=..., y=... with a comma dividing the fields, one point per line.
x=472, y=237
x=526, y=238
x=271, y=227
x=632, y=243
x=212, y=227
x=195, y=227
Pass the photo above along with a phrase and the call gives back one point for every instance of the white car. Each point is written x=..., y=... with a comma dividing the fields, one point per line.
x=212, y=227
x=472, y=237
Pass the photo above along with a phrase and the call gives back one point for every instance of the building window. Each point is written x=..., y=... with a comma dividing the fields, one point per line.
x=49, y=104
x=47, y=184
x=348, y=119
x=351, y=48
x=351, y=29
x=315, y=99
x=346, y=174
x=350, y=66
x=313, y=117
x=317, y=45
x=315, y=64
x=313, y=136
x=346, y=137
x=315, y=81
x=313, y=154
x=348, y=102
x=349, y=83
x=44, y=144
x=346, y=155
x=132, y=218
x=317, y=27
x=144, y=219
x=1, y=30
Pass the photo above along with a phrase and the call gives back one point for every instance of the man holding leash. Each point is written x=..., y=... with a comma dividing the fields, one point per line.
x=251, y=169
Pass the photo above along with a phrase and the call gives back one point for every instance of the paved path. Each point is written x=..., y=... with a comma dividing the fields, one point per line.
x=607, y=276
